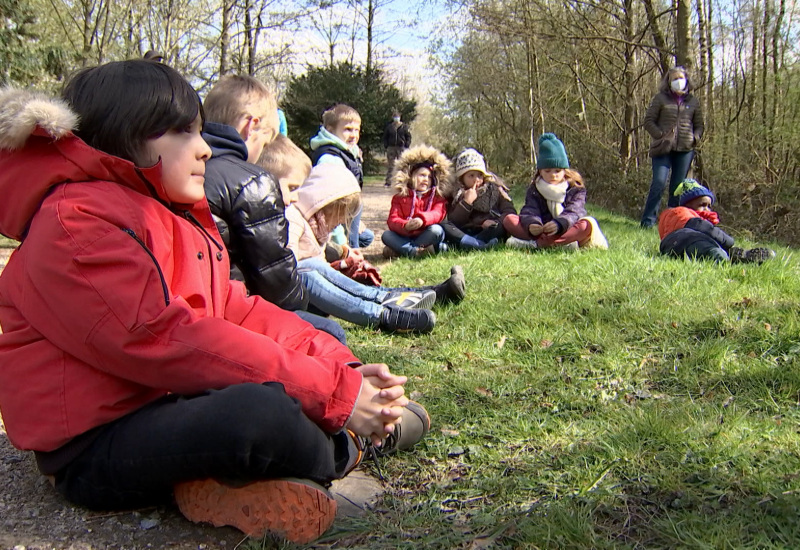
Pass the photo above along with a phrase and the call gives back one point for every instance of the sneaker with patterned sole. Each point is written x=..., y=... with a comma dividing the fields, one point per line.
x=410, y=299
x=298, y=510
x=752, y=256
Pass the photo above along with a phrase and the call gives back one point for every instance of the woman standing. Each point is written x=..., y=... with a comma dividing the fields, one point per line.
x=675, y=122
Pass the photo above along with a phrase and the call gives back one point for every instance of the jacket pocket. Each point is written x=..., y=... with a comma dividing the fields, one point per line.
x=164, y=286
x=665, y=144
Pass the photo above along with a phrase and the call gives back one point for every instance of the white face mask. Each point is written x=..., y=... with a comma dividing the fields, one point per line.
x=397, y=119
x=678, y=85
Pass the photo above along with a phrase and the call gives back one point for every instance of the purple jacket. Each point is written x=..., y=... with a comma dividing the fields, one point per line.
x=535, y=210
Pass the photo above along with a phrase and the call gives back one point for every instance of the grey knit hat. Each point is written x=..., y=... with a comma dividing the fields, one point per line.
x=470, y=159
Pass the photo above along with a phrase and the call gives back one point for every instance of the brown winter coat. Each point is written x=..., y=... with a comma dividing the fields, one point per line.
x=666, y=115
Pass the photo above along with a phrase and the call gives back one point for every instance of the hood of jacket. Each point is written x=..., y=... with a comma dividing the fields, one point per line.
x=224, y=140
x=325, y=137
x=442, y=169
x=325, y=184
x=37, y=130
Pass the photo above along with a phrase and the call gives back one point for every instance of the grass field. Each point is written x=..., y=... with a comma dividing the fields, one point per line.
x=596, y=399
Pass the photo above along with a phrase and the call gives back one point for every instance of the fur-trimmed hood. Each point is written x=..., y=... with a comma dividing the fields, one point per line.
x=38, y=151
x=442, y=169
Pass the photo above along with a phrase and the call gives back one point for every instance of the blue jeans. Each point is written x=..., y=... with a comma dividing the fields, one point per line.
x=356, y=239
x=324, y=324
x=407, y=246
x=339, y=295
x=678, y=162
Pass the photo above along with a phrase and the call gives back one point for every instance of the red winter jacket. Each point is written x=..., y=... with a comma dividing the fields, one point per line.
x=400, y=212
x=116, y=298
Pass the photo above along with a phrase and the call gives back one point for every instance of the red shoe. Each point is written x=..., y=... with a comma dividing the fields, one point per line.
x=298, y=510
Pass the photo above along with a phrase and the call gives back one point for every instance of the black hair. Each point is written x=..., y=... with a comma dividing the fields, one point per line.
x=124, y=103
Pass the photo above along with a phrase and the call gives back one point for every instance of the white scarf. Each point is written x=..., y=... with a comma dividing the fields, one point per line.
x=554, y=195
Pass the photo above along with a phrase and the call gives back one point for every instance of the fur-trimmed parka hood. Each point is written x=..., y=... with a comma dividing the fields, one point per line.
x=38, y=151
x=442, y=169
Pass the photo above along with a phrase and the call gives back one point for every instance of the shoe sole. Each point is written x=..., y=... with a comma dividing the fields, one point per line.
x=292, y=509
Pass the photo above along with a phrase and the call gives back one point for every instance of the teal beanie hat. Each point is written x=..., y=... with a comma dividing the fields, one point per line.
x=552, y=153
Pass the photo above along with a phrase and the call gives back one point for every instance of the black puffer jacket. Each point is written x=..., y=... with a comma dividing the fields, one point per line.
x=248, y=208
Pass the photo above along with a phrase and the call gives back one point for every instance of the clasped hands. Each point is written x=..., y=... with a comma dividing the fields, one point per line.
x=413, y=224
x=550, y=228
x=380, y=404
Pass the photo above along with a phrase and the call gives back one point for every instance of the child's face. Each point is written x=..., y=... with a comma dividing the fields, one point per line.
x=348, y=132
x=700, y=204
x=473, y=178
x=421, y=180
x=289, y=187
x=183, y=156
x=262, y=129
x=553, y=176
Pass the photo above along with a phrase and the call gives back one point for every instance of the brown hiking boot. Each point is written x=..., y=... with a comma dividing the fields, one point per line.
x=298, y=510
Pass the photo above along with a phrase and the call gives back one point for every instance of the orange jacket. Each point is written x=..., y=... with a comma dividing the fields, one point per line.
x=116, y=297
x=675, y=218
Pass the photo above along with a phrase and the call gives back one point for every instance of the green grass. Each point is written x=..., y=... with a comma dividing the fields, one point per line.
x=7, y=243
x=596, y=399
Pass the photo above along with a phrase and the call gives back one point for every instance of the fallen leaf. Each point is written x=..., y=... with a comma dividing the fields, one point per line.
x=674, y=324
x=483, y=391
x=767, y=327
x=449, y=432
x=415, y=395
x=420, y=282
x=456, y=451
x=500, y=343
x=546, y=343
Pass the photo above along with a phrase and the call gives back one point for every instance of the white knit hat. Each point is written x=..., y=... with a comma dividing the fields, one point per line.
x=470, y=159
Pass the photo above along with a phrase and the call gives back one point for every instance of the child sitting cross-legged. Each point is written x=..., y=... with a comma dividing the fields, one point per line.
x=478, y=207
x=132, y=366
x=555, y=205
x=420, y=174
x=690, y=229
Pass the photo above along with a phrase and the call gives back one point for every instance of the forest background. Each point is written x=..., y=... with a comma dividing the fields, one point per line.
x=487, y=74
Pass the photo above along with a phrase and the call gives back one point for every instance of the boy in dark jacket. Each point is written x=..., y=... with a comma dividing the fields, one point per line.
x=337, y=143
x=690, y=230
x=245, y=200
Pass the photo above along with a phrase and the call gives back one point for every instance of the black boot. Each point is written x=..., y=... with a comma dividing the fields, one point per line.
x=453, y=289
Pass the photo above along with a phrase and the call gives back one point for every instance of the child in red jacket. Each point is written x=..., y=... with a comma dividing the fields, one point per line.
x=690, y=230
x=130, y=363
x=419, y=205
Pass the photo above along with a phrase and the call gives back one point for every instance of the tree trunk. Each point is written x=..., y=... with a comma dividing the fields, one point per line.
x=658, y=36
x=370, y=24
x=629, y=84
x=682, y=43
x=225, y=38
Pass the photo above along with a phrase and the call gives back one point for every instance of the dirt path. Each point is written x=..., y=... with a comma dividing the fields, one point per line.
x=34, y=517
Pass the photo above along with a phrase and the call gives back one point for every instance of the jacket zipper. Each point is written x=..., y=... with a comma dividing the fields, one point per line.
x=194, y=221
x=132, y=233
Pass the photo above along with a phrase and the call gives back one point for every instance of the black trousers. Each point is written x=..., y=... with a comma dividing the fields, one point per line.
x=453, y=235
x=241, y=433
